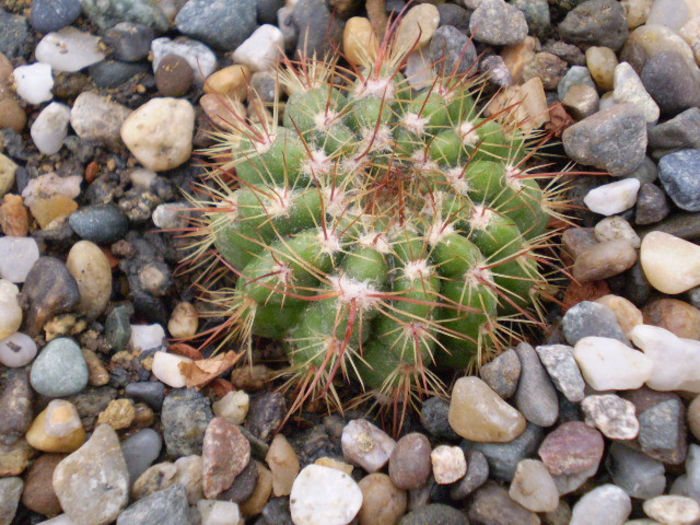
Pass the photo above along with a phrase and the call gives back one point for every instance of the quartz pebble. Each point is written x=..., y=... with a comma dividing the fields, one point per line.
x=410, y=461
x=50, y=128
x=614, y=229
x=614, y=197
x=324, y=495
x=8, y=169
x=382, y=502
x=183, y=321
x=607, y=364
x=69, y=50
x=636, y=473
x=561, y=366
x=284, y=465
x=97, y=118
x=605, y=504
x=479, y=414
x=166, y=367
x=673, y=510
x=612, y=415
x=261, y=50
x=17, y=350
x=572, y=448
x=147, y=337
x=159, y=133
x=34, y=82
x=602, y=62
x=365, y=445
x=449, y=464
x=90, y=268
x=671, y=264
x=360, y=44
x=60, y=369
x=19, y=255
x=57, y=428
x=628, y=87
x=171, y=215
x=92, y=483
x=218, y=512
x=10, y=310
x=533, y=487
x=233, y=406
x=417, y=26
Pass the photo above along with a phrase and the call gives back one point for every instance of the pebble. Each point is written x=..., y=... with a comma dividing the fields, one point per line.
x=652, y=205
x=533, y=487
x=16, y=406
x=503, y=458
x=10, y=308
x=107, y=13
x=694, y=417
x=262, y=50
x=92, y=483
x=410, y=461
x=284, y=465
x=612, y=415
x=158, y=477
x=477, y=413
x=581, y=101
x=636, y=473
x=575, y=76
x=17, y=350
x=159, y=133
x=449, y=464
x=382, y=502
x=671, y=264
x=90, y=268
x=34, y=82
x=561, y=366
x=628, y=88
x=47, y=15
x=10, y=492
x=433, y=417
x=225, y=453
x=166, y=368
x=7, y=174
x=605, y=504
x=477, y=474
x=99, y=223
x=172, y=215
x=266, y=413
x=183, y=321
x=140, y=450
x=595, y=22
x=97, y=118
x=185, y=416
x=616, y=228
x=671, y=80
x=678, y=317
x=647, y=41
x=201, y=59
x=674, y=359
x=366, y=445
x=15, y=458
x=612, y=139
x=572, y=448
x=151, y=392
x=602, y=64
x=130, y=41
x=51, y=185
x=604, y=260
x=218, y=512
x=493, y=505
x=59, y=370
x=590, y=318
x=324, y=495
x=607, y=364
x=497, y=23
x=69, y=50
x=417, y=27
x=536, y=397
x=614, y=197
x=677, y=173
x=38, y=495
x=57, y=428
x=174, y=76
x=119, y=414
x=164, y=506
x=14, y=219
x=261, y=494
x=451, y=50
x=50, y=128
x=680, y=132
x=49, y=290
x=502, y=373
x=672, y=510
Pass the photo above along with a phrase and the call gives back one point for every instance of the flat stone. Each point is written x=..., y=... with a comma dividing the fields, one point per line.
x=614, y=197
x=59, y=370
x=324, y=495
x=50, y=128
x=417, y=26
x=604, y=504
x=224, y=24
x=365, y=445
x=572, y=448
x=673, y=510
x=15, y=458
x=97, y=118
x=561, y=366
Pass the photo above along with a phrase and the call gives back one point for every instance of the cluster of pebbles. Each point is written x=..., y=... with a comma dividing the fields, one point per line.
x=102, y=103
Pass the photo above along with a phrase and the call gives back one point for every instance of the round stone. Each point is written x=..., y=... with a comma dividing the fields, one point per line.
x=99, y=223
x=50, y=128
x=417, y=26
x=174, y=76
x=57, y=428
x=90, y=268
x=449, y=464
x=410, y=463
x=608, y=364
x=382, y=502
x=673, y=510
x=324, y=495
x=98, y=118
x=572, y=448
x=366, y=445
x=60, y=369
x=140, y=450
x=604, y=504
x=38, y=494
x=52, y=15
x=533, y=487
x=671, y=264
x=223, y=24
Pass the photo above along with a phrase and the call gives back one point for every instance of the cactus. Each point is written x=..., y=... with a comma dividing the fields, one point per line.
x=377, y=232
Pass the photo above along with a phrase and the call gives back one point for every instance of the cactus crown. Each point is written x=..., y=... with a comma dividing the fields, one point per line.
x=377, y=231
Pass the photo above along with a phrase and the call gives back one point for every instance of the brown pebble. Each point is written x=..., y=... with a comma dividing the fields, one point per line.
x=628, y=315
x=679, y=317
x=693, y=416
x=409, y=463
x=382, y=502
x=604, y=260
x=98, y=373
x=143, y=416
x=225, y=453
x=12, y=115
x=14, y=218
x=38, y=494
x=254, y=505
x=174, y=76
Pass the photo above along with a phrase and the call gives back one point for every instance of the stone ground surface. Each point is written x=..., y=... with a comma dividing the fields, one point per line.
x=102, y=105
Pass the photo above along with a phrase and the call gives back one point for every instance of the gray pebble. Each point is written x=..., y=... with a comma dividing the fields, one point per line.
x=99, y=223
x=185, y=416
x=502, y=373
x=535, y=397
x=498, y=23
x=452, y=51
x=435, y=514
x=130, y=41
x=671, y=82
x=588, y=318
x=681, y=132
x=15, y=406
x=678, y=172
x=59, y=370
x=140, y=451
x=595, y=23
x=652, y=206
x=164, y=507
x=636, y=473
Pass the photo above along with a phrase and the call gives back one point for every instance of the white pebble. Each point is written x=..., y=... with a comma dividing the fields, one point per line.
x=69, y=50
x=366, y=445
x=61, y=519
x=166, y=367
x=613, y=416
x=233, y=406
x=201, y=59
x=215, y=512
x=672, y=510
x=607, y=504
x=533, y=487
x=50, y=128
x=629, y=88
x=17, y=350
x=608, y=364
x=324, y=495
x=261, y=50
x=615, y=229
x=613, y=198
x=675, y=360
x=147, y=337
x=34, y=82
x=671, y=264
x=449, y=464
x=49, y=184
x=10, y=310
x=18, y=256
x=171, y=215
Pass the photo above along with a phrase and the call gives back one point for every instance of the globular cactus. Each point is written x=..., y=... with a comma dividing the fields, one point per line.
x=378, y=232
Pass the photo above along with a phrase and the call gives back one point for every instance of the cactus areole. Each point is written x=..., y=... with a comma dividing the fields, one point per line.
x=378, y=232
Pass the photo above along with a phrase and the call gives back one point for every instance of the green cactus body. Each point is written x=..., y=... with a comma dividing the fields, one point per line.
x=380, y=233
